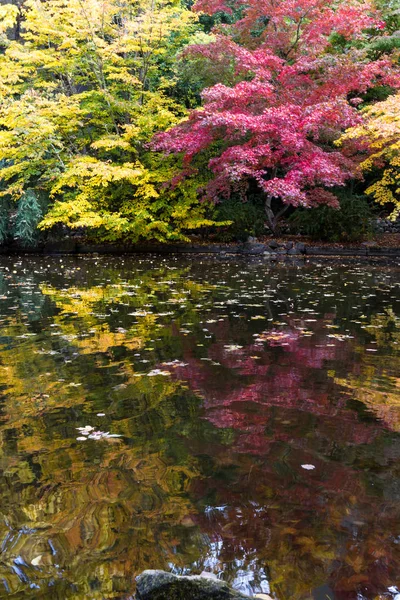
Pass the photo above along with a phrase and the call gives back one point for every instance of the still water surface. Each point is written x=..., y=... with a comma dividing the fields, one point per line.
x=258, y=409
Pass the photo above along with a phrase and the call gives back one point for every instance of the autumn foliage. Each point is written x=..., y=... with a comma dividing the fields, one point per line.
x=380, y=134
x=298, y=88
x=94, y=114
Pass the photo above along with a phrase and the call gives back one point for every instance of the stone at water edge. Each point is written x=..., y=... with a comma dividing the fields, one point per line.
x=159, y=585
x=208, y=575
x=300, y=247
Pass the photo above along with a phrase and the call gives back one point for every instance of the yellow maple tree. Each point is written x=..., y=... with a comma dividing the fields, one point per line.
x=82, y=92
x=381, y=131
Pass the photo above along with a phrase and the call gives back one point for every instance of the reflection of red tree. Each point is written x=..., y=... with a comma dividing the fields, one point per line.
x=273, y=391
x=278, y=368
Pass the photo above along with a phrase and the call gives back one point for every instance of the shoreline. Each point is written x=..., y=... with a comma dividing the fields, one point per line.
x=270, y=250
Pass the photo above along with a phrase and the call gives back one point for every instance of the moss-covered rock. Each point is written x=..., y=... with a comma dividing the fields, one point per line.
x=159, y=585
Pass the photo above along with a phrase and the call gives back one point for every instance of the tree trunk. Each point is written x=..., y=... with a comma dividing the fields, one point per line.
x=272, y=218
x=270, y=214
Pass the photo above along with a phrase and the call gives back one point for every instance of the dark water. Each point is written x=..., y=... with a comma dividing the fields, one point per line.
x=259, y=414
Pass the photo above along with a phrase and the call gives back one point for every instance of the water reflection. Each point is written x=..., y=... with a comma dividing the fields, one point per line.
x=258, y=408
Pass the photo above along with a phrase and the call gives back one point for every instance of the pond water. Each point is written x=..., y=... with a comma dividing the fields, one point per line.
x=258, y=409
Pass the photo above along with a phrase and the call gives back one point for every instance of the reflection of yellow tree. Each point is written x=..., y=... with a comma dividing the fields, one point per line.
x=384, y=403
x=108, y=508
x=105, y=508
x=140, y=296
x=37, y=380
x=376, y=382
x=385, y=328
x=111, y=520
x=29, y=376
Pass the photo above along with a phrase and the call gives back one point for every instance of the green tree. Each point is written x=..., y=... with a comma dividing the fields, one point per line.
x=29, y=214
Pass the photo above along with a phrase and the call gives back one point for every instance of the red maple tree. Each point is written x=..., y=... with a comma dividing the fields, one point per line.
x=297, y=90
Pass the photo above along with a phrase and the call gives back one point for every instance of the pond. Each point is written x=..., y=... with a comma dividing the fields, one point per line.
x=193, y=415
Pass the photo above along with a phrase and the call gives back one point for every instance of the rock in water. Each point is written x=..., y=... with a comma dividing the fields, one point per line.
x=159, y=585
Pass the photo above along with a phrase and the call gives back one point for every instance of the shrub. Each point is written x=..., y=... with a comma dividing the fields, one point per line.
x=352, y=223
x=247, y=219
